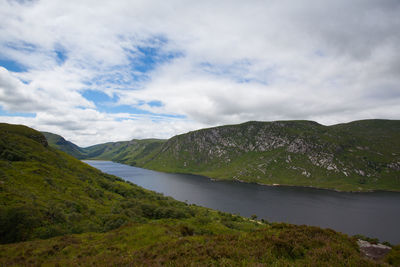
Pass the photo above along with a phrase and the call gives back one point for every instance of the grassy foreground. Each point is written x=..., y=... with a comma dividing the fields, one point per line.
x=58, y=211
x=176, y=243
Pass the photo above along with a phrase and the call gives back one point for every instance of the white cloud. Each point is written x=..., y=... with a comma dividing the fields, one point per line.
x=330, y=61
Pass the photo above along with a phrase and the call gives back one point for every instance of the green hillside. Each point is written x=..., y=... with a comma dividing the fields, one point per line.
x=60, y=143
x=45, y=192
x=356, y=156
x=68, y=213
x=134, y=152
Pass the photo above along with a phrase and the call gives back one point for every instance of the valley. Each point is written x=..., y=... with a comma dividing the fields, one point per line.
x=355, y=156
x=56, y=210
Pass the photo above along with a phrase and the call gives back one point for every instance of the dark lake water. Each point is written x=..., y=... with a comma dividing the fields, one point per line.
x=371, y=214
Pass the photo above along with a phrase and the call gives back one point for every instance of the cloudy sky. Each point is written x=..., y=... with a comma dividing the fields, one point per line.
x=97, y=71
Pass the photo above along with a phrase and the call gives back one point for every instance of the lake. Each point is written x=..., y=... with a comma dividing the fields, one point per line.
x=374, y=214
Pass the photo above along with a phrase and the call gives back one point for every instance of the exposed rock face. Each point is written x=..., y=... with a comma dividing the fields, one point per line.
x=227, y=142
x=217, y=142
x=303, y=146
x=40, y=139
x=394, y=166
x=373, y=251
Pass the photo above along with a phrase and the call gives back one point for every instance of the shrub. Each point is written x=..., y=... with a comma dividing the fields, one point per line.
x=17, y=223
x=186, y=230
x=114, y=221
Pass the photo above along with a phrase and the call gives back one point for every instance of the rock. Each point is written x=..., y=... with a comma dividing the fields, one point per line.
x=394, y=166
x=360, y=172
x=373, y=251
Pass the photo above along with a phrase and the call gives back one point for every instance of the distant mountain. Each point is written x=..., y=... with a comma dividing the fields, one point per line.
x=356, y=156
x=134, y=152
x=89, y=218
x=60, y=143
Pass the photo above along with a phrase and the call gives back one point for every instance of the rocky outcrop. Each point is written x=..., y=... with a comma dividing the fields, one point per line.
x=373, y=251
x=301, y=146
x=40, y=139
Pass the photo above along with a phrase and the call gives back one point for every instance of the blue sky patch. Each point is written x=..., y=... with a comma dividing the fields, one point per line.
x=142, y=59
x=155, y=103
x=107, y=104
x=146, y=58
x=12, y=65
x=121, y=109
x=98, y=96
x=61, y=54
x=118, y=77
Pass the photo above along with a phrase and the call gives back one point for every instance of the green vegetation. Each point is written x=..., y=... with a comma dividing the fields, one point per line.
x=68, y=213
x=45, y=192
x=170, y=243
x=60, y=143
x=393, y=257
x=134, y=152
x=356, y=156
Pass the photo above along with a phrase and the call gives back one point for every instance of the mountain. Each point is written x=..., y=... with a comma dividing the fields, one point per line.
x=68, y=213
x=134, y=152
x=356, y=156
x=361, y=155
x=60, y=143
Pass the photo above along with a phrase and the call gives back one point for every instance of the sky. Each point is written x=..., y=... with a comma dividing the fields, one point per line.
x=99, y=71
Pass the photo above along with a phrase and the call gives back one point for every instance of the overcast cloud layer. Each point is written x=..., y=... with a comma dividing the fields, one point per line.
x=97, y=71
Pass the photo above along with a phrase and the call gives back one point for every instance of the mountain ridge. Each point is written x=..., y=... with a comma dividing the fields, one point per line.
x=357, y=156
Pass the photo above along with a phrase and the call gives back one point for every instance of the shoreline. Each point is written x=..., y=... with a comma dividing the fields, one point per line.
x=276, y=184
x=312, y=187
x=269, y=185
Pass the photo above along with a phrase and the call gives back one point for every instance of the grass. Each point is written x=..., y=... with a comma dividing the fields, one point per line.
x=58, y=211
x=170, y=243
x=45, y=192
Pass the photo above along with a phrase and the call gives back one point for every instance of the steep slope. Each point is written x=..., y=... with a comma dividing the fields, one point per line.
x=60, y=143
x=362, y=155
x=44, y=193
x=134, y=152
